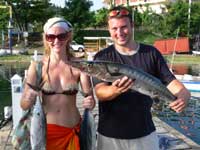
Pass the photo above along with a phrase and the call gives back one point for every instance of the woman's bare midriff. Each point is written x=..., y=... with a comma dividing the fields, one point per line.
x=61, y=110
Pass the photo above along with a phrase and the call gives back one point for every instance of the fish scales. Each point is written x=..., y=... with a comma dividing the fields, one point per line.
x=110, y=71
x=147, y=84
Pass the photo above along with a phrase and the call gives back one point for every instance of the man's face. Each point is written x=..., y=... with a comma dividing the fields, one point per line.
x=120, y=30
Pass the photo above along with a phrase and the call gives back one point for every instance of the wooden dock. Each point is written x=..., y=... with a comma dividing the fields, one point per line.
x=171, y=137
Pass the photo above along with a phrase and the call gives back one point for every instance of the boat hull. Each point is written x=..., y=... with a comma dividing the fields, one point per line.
x=193, y=86
x=192, y=83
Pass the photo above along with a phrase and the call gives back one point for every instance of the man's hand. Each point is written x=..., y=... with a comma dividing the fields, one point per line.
x=122, y=85
x=178, y=105
x=181, y=102
x=182, y=94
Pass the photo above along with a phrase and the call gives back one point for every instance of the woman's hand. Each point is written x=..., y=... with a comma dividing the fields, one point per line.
x=89, y=102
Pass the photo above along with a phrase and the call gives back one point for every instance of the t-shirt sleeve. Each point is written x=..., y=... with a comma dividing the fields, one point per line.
x=163, y=71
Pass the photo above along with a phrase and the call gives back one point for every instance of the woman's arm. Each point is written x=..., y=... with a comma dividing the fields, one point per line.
x=89, y=101
x=29, y=95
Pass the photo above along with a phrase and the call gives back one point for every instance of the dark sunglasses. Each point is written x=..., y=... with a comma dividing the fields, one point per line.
x=52, y=37
x=121, y=12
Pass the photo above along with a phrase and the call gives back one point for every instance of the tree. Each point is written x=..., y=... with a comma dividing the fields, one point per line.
x=177, y=17
x=4, y=18
x=78, y=13
x=27, y=12
x=195, y=18
x=100, y=18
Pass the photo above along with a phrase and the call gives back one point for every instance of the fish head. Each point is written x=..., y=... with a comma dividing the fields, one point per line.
x=84, y=66
x=104, y=70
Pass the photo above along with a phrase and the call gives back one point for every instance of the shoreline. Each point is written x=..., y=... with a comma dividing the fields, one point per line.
x=178, y=59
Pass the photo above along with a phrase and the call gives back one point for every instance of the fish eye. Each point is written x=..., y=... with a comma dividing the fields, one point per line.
x=89, y=65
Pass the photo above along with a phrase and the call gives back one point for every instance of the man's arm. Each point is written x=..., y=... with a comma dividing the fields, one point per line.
x=182, y=94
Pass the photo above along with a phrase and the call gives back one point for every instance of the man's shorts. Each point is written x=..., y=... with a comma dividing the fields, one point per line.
x=149, y=142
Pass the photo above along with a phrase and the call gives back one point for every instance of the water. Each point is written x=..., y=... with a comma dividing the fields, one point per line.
x=6, y=72
x=187, y=123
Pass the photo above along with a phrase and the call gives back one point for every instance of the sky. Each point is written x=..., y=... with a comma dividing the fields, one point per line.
x=97, y=4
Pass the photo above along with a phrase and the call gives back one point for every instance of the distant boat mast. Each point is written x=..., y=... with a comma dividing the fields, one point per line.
x=189, y=12
x=174, y=52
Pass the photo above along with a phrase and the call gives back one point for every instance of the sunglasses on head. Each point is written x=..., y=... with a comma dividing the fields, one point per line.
x=121, y=12
x=52, y=37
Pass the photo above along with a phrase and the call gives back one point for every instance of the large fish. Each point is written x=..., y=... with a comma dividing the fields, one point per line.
x=110, y=71
x=88, y=131
x=38, y=127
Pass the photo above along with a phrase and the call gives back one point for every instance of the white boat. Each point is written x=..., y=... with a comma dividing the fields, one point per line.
x=196, y=53
x=192, y=83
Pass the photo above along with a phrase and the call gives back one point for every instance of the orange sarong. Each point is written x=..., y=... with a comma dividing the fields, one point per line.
x=62, y=138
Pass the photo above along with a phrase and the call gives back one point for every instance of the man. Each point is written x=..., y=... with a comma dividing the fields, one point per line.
x=125, y=121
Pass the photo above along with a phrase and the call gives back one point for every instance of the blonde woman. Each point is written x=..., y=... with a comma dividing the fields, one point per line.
x=59, y=87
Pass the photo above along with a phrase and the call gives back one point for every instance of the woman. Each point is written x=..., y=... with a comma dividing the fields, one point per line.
x=59, y=87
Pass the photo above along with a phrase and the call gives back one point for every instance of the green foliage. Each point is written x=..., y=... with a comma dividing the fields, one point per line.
x=177, y=17
x=137, y=17
x=78, y=13
x=145, y=37
x=36, y=13
x=195, y=18
x=27, y=12
x=100, y=18
x=4, y=18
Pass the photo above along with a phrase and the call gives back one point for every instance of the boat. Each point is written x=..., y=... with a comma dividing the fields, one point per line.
x=195, y=53
x=192, y=83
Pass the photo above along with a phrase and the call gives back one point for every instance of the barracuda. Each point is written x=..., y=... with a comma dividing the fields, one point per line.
x=110, y=71
x=88, y=131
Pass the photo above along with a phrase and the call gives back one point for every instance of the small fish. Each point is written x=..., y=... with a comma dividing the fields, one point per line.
x=110, y=71
x=88, y=131
x=38, y=127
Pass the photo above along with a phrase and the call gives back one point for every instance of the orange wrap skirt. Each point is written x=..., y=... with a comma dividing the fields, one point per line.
x=62, y=138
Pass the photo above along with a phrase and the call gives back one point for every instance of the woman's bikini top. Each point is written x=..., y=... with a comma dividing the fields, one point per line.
x=70, y=90
x=47, y=89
